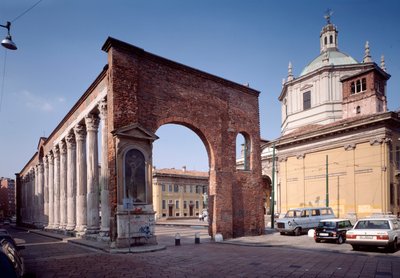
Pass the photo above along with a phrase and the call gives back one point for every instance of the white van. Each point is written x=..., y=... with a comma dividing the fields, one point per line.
x=299, y=220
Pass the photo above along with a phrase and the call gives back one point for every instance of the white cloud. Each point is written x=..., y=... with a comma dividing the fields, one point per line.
x=39, y=103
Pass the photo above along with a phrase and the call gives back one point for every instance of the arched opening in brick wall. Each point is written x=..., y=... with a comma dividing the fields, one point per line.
x=180, y=174
x=243, y=150
x=147, y=91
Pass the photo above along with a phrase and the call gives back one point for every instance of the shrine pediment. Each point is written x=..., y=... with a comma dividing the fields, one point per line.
x=135, y=131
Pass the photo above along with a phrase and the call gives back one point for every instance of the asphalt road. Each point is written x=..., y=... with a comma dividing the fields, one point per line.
x=265, y=256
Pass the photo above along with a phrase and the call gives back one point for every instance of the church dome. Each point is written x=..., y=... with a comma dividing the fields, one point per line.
x=329, y=57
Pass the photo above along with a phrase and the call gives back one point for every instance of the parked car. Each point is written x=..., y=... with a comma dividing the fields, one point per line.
x=332, y=229
x=297, y=221
x=4, y=235
x=379, y=232
x=11, y=263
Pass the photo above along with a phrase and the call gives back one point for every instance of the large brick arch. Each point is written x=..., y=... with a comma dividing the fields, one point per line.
x=150, y=91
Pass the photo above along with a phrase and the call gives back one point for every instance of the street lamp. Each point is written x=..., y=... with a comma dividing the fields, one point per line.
x=7, y=42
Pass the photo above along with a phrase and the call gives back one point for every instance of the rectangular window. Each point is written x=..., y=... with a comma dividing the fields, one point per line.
x=358, y=86
x=177, y=204
x=176, y=188
x=163, y=187
x=197, y=204
x=352, y=88
x=306, y=100
x=185, y=204
x=197, y=189
x=164, y=206
x=398, y=157
x=184, y=188
x=170, y=188
x=363, y=84
x=204, y=189
x=191, y=189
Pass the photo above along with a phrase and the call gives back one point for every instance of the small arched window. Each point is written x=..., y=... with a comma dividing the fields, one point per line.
x=330, y=39
x=358, y=110
x=326, y=40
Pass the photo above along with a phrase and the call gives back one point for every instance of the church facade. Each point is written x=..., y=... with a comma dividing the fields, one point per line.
x=339, y=144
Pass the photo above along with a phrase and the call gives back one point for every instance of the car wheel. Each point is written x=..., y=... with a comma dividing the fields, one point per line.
x=393, y=246
x=282, y=233
x=317, y=240
x=340, y=240
x=355, y=247
x=297, y=231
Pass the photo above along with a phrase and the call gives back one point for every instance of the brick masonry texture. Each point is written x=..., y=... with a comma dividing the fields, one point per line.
x=152, y=91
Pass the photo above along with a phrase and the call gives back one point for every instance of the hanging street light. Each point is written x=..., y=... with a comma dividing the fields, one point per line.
x=7, y=41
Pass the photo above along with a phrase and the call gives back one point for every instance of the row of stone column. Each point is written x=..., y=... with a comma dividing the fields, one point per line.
x=62, y=190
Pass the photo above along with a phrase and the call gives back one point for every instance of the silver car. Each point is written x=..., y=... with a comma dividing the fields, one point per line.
x=300, y=220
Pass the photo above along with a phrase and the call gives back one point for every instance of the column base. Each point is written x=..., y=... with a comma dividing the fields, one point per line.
x=70, y=227
x=104, y=232
x=91, y=231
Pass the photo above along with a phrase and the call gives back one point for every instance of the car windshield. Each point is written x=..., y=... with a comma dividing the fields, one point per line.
x=293, y=213
x=373, y=224
x=327, y=224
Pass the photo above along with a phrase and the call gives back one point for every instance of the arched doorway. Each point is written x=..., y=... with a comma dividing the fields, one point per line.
x=146, y=91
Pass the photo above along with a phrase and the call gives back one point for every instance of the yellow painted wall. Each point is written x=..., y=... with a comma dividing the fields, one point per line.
x=358, y=181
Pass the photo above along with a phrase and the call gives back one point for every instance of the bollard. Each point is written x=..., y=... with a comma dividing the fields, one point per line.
x=197, y=238
x=219, y=238
x=177, y=239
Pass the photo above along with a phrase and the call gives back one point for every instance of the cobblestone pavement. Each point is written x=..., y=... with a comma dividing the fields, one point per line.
x=244, y=257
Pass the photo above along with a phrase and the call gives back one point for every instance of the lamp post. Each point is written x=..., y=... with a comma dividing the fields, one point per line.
x=7, y=41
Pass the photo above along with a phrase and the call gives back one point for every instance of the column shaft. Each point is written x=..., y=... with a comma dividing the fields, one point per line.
x=105, y=201
x=92, y=124
x=46, y=192
x=56, y=187
x=40, y=195
x=63, y=185
x=51, y=191
x=81, y=178
x=71, y=181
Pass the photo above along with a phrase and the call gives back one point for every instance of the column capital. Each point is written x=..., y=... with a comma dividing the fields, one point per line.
x=103, y=108
x=45, y=161
x=40, y=168
x=70, y=140
x=80, y=132
x=56, y=152
x=92, y=122
x=63, y=147
x=50, y=158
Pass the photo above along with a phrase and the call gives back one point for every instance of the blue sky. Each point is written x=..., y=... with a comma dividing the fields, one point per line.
x=246, y=41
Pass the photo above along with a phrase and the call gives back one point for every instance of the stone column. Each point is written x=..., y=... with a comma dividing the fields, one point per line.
x=40, y=195
x=32, y=196
x=81, y=178
x=63, y=185
x=50, y=157
x=56, y=152
x=36, y=196
x=105, y=201
x=92, y=124
x=71, y=181
x=45, y=220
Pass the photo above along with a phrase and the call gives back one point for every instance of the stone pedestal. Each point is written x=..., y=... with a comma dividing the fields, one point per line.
x=135, y=228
